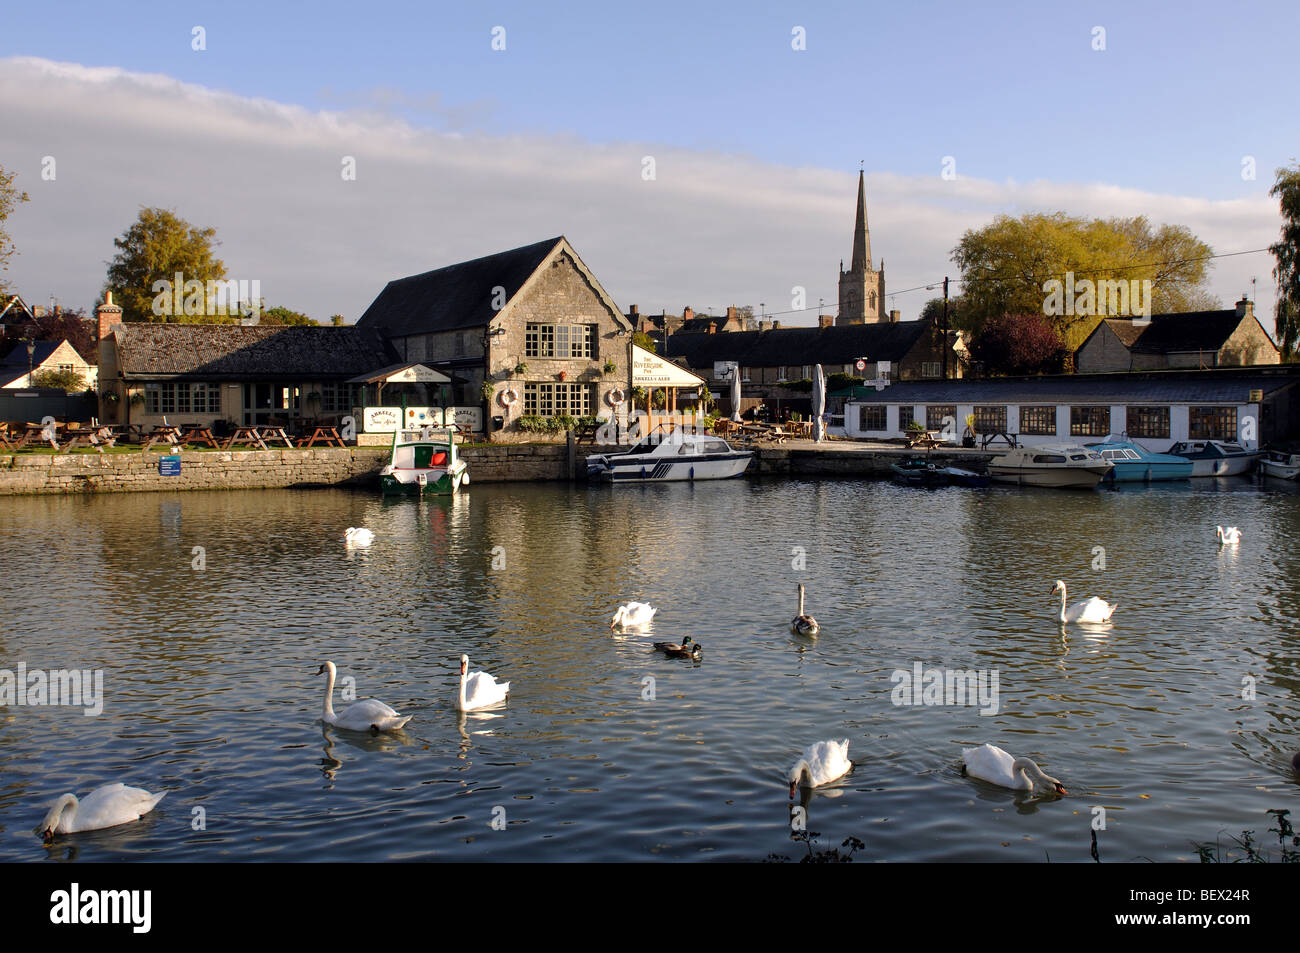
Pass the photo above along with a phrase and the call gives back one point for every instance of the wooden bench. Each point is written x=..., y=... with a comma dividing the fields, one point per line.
x=926, y=438
x=1008, y=438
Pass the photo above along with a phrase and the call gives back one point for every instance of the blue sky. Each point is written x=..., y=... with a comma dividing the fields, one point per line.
x=464, y=150
x=1012, y=91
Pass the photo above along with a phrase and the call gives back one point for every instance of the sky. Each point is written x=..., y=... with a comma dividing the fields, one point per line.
x=462, y=149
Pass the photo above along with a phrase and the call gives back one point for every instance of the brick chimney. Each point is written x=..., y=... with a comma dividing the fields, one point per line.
x=1245, y=308
x=687, y=313
x=825, y=320
x=764, y=325
x=895, y=315
x=108, y=315
x=712, y=328
x=776, y=325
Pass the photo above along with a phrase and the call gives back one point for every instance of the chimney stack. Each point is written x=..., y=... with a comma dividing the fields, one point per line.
x=108, y=315
x=764, y=325
x=687, y=313
x=776, y=325
x=825, y=320
x=1245, y=307
x=894, y=316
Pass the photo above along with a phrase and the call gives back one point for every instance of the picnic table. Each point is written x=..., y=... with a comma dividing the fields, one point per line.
x=200, y=435
x=168, y=434
x=926, y=438
x=586, y=433
x=245, y=437
x=328, y=436
x=273, y=434
x=1009, y=438
x=33, y=434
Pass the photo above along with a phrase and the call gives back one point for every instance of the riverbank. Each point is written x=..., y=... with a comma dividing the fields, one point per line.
x=41, y=473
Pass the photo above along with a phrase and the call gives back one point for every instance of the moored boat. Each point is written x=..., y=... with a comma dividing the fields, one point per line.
x=917, y=471
x=1056, y=464
x=675, y=455
x=1283, y=466
x=1216, y=457
x=1135, y=463
x=959, y=477
x=424, y=461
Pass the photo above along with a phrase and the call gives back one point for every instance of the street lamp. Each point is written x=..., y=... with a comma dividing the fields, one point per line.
x=31, y=357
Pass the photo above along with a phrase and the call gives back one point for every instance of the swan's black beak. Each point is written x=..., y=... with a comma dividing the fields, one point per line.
x=47, y=835
x=321, y=670
x=794, y=788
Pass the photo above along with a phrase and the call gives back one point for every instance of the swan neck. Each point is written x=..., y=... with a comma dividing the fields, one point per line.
x=801, y=600
x=327, y=710
x=463, y=675
x=1063, y=618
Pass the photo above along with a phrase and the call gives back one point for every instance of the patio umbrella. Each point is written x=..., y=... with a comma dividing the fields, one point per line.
x=819, y=404
x=735, y=393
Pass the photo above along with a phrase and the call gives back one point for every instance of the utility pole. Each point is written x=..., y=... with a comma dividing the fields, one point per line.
x=945, y=327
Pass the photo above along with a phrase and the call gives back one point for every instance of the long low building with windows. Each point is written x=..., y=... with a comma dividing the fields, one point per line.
x=1159, y=408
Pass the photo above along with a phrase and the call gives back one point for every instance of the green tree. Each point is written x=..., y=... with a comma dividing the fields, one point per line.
x=643, y=340
x=336, y=320
x=1005, y=265
x=67, y=379
x=155, y=248
x=281, y=315
x=10, y=196
x=1286, y=189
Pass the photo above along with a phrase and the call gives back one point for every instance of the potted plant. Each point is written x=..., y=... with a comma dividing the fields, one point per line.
x=487, y=390
x=968, y=436
x=521, y=369
x=137, y=399
x=564, y=375
x=610, y=368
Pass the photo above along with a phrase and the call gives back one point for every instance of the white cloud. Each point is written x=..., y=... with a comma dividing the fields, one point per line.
x=712, y=229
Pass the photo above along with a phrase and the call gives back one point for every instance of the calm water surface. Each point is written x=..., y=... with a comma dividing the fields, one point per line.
x=211, y=691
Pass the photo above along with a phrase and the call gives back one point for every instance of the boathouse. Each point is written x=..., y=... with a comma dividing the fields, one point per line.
x=1158, y=408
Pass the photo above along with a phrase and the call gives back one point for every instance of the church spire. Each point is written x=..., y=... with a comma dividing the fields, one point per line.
x=861, y=237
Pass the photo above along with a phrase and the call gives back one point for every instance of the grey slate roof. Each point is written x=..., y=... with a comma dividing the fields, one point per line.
x=458, y=296
x=1181, y=331
x=790, y=346
x=17, y=357
x=234, y=352
x=1157, y=387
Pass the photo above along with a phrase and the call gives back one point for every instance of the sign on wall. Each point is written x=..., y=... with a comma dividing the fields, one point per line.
x=466, y=417
x=381, y=419
x=169, y=466
x=424, y=417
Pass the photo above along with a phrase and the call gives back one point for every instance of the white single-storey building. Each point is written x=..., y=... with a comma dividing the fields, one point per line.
x=1158, y=408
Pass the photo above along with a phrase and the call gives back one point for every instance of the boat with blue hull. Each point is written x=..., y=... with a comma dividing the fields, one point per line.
x=1136, y=464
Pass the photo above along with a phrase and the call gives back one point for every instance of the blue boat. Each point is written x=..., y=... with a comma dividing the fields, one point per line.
x=1137, y=464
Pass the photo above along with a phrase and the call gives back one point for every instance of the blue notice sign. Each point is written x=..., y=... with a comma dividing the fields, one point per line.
x=169, y=466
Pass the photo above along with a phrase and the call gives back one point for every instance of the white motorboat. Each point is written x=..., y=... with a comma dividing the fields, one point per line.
x=1215, y=457
x=1283, y=466
x=672, y=456
x=1053, y=464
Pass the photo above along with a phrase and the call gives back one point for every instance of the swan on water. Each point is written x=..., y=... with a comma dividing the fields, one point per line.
x=632, y=615
x=804, y=624
x=822, y=762
x=370, y=715
x=356, y=536
x=990, y=763
x=106, y=806
x=1090, y=610
x=479, y=690
x=1227, y=537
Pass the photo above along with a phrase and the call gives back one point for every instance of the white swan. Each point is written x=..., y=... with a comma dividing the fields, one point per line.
x=632, y=615
x=822, y=763
x=370, y=715
x=1090, y=610
x=990, y=763
x=804, y=624
x=106, y=806
x=479, y=690
x=1228, y=537
x=356, y=536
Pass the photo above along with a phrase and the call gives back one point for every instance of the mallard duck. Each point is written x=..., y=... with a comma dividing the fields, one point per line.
x=804, y=624
x=687, y=649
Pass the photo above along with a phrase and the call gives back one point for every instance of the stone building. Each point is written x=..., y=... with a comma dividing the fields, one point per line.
x=862, y=289
x=532, y=323
x=1232, y=337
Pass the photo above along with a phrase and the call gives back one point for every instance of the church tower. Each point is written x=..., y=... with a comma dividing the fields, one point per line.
x=862, y=290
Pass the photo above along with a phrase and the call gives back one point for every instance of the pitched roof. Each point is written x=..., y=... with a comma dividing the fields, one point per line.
x=231, y=351
x=17, y=357
x=1124, y=329
x=842, y=344
x=1178, y=331
x=455, y=297
x=1211, y=386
